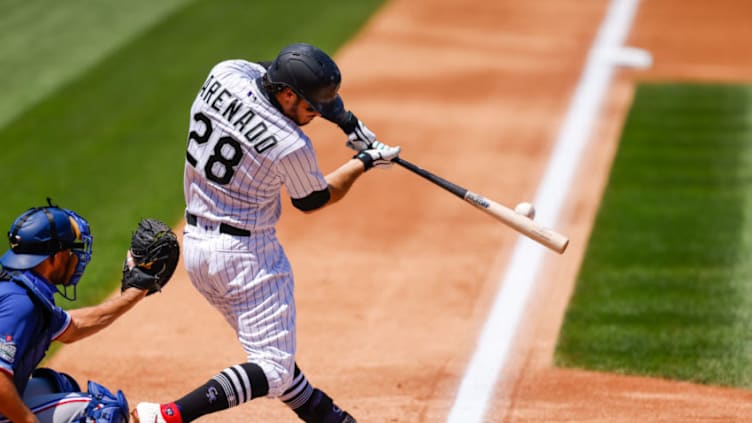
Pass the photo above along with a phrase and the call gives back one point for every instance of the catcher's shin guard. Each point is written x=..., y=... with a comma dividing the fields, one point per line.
x=105, y=407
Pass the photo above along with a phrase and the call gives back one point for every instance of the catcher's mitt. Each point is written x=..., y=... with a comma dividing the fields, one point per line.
x=152, y=258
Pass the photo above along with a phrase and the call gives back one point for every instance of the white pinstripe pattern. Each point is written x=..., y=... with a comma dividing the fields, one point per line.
x=247, y=279
x=234, y=106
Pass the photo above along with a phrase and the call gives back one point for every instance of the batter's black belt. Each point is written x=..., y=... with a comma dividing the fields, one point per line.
x=223, y=227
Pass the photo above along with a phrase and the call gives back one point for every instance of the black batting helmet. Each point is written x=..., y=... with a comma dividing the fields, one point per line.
x=308, y=71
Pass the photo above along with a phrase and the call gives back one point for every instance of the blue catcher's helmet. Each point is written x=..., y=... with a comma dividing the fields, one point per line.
x=41, y=232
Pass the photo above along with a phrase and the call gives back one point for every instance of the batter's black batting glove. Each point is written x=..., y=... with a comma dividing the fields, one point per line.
x=359, y=137
x=380, y=155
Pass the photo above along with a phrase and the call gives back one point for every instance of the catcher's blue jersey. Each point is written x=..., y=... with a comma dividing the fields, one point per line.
x=29, y=322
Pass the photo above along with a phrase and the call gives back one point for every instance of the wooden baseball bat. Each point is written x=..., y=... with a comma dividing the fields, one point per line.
x=547, y=237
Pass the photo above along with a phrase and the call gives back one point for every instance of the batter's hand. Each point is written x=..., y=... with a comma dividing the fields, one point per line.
x=361, y=138
x=379, y=155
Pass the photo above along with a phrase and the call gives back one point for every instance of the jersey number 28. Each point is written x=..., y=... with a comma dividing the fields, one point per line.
x=220, y=167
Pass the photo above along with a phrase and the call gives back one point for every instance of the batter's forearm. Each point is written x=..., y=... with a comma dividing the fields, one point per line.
x=341, y=180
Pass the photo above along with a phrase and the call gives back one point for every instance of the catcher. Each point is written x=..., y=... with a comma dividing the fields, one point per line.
x=50, y=248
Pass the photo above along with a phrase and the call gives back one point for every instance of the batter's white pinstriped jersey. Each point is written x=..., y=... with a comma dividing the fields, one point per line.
x=241, y=150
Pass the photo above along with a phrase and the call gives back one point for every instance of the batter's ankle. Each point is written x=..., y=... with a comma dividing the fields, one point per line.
x=321, y=409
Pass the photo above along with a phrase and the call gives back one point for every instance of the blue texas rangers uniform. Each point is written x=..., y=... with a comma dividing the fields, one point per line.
x=29, y=322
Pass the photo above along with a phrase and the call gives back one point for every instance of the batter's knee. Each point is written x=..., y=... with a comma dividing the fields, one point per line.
x=279, y=374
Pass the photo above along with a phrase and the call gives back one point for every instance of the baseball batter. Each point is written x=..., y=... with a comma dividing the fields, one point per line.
x=245, y=142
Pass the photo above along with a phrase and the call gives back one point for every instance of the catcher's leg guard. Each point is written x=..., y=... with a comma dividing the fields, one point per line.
x=106, y=407
x=56, y=397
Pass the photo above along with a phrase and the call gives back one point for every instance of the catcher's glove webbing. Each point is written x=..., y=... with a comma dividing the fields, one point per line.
x=152, y=258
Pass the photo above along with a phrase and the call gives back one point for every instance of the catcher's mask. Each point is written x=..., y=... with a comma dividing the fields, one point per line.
x=41, y=232
x=308, y=71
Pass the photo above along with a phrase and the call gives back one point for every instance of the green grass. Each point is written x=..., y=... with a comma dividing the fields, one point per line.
x=665, y=288
x=45, y=44
x=110, y=142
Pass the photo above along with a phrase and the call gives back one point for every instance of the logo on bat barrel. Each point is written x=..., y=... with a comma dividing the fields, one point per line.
x=477, y=200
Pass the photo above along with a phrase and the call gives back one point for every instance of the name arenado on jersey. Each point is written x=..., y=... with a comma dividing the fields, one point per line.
x=229, y=106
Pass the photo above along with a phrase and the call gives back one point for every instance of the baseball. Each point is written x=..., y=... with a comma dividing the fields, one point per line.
x=525, y=209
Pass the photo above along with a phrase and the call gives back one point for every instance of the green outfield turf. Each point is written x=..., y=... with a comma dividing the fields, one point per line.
x=102, y=131
x=45, y=44
x=665, y=288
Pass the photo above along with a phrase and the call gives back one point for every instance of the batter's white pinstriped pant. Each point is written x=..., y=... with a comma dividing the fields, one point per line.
x=249, y=280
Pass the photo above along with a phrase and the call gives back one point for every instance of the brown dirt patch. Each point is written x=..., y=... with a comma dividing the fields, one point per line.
x=393, y=283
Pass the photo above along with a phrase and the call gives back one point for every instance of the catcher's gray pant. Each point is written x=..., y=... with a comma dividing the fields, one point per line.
x=49, y=405
x=54, y=407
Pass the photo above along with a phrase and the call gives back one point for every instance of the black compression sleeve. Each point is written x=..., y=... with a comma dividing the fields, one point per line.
x=348, y=125
x=335, y=112
x=312, y=201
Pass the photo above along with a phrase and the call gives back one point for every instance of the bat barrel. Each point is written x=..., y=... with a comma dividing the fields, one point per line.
x=522, y=224
x=547, y=237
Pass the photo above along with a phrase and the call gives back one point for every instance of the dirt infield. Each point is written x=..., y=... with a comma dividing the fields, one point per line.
x=394, y=283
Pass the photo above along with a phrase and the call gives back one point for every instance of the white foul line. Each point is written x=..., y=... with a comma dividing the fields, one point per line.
x=506, y=312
